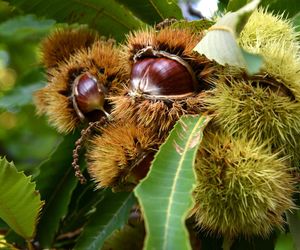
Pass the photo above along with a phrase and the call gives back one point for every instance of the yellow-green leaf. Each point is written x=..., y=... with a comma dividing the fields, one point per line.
x=165, y=195
x=20, y=203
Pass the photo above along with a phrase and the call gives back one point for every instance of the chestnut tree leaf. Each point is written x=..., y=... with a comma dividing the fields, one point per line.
x=153, y=11
x=234, y=5
x=289, y=8
x=109, y=18
x=19, y=96
x=165, y=195
x=296, y=22
x=194, y=26
x=20, y=203
x=111, y=214
x=27, y=27
x=56, y=182
x=220, y=42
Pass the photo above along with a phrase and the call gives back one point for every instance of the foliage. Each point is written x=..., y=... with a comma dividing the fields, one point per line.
x=20, y=202
x=177, y=180
x=76, y=216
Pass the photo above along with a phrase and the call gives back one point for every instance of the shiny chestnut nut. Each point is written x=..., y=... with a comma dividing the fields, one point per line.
x=160, y=74
x=88, y=95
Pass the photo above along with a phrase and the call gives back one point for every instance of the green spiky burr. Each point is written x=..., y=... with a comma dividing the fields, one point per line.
x=242, y=188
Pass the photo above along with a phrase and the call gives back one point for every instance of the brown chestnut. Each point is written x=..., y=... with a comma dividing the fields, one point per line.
x=88, y=95
x=160, y=74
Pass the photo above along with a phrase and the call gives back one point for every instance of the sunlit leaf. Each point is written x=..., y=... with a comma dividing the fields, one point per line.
x=20, y=203
x=195, y=26
x=109, y=18
x=220, y=42
x=111, y=214
x=153, y=11
x=165, y=194
x=56, y=182
x=234, y=5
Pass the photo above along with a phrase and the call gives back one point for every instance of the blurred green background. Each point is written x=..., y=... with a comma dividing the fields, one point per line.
x=24, y=137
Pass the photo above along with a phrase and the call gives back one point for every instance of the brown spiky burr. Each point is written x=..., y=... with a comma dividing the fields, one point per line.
x=81, y=82
x=121, y=154
x=167, y=79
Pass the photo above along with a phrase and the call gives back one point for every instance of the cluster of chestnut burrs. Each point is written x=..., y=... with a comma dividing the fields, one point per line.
x=126, y=98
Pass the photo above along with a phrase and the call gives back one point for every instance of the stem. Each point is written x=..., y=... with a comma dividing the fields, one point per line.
x=29, y=245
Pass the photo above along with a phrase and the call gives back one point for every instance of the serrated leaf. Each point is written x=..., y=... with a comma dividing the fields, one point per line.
x=109, y=18
x=165, y=195
x=153, y=11
x=20, y=203
x=293, y=219
x=220, y=42
x=56, y=182
x=111, y=214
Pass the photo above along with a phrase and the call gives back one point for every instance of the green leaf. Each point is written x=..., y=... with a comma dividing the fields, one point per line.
x=284, y=242
x=19, y=96
x=222, y=5
x=234, y=5
x=293, y=218
x=195, y=26
x=25, y=27
x=3, y=225
x=165, y=195
x=153, y=11
x=290, y=7
x=20, y=203
x=84, y=201
x=56, y=182
x=109, y=18
x=220, y=42
x=296, y=21
x=111, y=214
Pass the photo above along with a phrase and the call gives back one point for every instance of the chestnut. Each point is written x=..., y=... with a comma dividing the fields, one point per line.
x=88, y=95
x=160, y=74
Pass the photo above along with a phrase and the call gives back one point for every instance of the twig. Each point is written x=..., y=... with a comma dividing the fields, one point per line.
x=84, y=134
